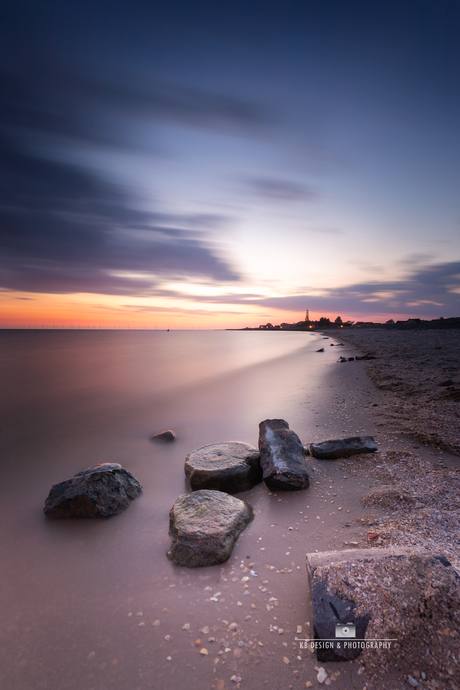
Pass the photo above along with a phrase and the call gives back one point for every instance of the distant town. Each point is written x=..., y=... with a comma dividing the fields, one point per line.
x=323, y=323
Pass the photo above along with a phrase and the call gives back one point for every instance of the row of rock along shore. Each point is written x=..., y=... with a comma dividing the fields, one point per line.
x=349, y=603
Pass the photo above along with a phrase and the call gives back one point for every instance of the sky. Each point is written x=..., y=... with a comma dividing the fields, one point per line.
x=169, y=164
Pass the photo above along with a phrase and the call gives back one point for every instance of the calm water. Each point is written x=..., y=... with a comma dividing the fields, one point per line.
x=71, y=590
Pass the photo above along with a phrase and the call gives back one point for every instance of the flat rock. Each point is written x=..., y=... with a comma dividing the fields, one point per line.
x=204, y=526
x=229, y=467
x=343, y=447
x=97, y=492
x=165, y=436
x=282, y=457
x=339, y=633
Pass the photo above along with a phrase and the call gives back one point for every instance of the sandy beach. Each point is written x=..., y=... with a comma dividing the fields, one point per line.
x=98, y=605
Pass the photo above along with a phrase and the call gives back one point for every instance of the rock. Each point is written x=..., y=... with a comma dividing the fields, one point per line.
x=351, y=359
x=335, y=621
x=100, y=491
x=343, y=448
x=204, y=526
x=229, y=467
x=282, y=457
x=367, y=356
x=322, y=675
x=166, y=436
x=320, y=350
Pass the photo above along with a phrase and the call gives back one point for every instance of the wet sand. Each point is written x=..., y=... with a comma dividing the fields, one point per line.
x=91, y=604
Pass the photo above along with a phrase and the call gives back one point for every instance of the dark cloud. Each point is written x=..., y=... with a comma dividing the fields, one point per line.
x=64, y=230
x=280, y=190
x=429, y=292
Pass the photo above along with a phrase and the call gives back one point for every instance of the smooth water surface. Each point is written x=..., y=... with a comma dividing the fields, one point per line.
x=71, y=590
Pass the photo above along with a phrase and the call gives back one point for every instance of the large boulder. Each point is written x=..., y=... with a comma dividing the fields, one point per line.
x=343, y=447
x=282, y=457
x=204, y=526
x=97, y=492
x=390, y=604
x=229, y=467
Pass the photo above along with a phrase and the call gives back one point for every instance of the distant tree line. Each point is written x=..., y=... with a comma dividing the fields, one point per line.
x=323, y=322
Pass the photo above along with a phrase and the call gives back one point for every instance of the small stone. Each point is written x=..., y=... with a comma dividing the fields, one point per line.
x=233, y=626
x=286, y=660
x=164, y=436
x=186, y=626
x=168, y=658
x=197, y=642
x=414, y=683
x=204, y=651
x=156, y=623
x=167, y=638
x=322, y=675
x=308, y=684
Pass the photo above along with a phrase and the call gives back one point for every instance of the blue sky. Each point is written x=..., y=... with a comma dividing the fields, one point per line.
x=230, y=163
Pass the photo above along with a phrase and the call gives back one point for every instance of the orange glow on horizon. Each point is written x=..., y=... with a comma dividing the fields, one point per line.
x=29, y=310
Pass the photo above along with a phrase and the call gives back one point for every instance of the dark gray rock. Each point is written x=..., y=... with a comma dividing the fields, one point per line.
x=165, y=436
x=320, y=350
x=229, y=467
x=366, y=357
x=97, y=492
x=282, y=457
x=204, y=526
x=343, y=447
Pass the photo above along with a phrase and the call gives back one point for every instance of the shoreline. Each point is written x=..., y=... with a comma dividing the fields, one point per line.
x=125, y=626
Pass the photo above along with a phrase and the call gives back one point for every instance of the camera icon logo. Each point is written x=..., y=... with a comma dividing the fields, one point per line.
x=345, y=630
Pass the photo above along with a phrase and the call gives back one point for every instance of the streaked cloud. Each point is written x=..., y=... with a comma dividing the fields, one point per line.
x=279, y=189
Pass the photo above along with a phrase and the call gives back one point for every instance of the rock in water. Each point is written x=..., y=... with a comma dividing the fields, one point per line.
x=97, y=492
x=282, y=457
x=229, y=467
x=166, y=436
x=343, y=448
x=204, y=526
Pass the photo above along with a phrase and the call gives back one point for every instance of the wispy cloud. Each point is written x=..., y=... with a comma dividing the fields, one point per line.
x=280, y=189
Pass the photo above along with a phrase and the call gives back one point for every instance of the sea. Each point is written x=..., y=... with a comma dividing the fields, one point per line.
x=89, y=604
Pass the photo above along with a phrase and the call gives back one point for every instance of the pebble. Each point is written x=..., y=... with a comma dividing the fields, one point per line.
x=322, y=675
x=204, y=651
x=186, y=626
x=286, y=660
x=308, y=684
x=156, y=623
x=414, y=683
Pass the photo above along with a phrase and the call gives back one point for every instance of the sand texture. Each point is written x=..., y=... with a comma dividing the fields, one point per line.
x=422, y=369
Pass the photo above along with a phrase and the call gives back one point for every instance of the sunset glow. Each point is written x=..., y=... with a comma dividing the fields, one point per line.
x=222, y=165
